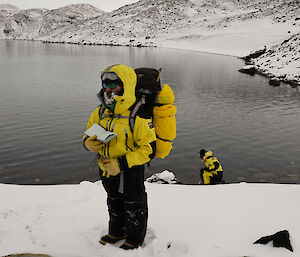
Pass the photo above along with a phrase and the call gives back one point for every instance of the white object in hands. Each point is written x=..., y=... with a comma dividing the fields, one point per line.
x=102, y=134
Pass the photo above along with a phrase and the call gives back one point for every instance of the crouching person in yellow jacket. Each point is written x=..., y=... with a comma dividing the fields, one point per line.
x=122, y=160
x=213, y=171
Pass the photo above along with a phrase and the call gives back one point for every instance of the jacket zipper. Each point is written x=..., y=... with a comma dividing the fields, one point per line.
x=126, y=140
x=110, y=128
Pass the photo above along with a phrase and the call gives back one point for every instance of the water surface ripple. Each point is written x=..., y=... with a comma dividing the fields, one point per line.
x=48, y=92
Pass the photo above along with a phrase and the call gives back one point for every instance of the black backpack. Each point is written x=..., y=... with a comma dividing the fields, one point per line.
x=147, y=87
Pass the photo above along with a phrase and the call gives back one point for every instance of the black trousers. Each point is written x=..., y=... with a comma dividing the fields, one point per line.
x=128, y=210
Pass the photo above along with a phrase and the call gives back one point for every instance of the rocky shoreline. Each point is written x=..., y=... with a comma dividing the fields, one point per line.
x=258, y=62
x=255, y=62
x=279, y=63
x=264, y=62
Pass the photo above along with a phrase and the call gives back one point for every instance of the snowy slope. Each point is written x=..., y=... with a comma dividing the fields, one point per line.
x=6, y=11
x=147, y=22
x=282, y=60
x=8, y=8
x=34, y=23
x=150, y=22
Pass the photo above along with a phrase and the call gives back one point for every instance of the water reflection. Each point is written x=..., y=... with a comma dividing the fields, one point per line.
x=48, y=92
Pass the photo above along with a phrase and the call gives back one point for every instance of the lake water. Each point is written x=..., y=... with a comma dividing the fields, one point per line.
x=48, y=92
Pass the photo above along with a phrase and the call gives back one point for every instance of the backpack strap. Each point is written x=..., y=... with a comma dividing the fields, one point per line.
x=135, y=110
x=103, y=115
x=131, y=117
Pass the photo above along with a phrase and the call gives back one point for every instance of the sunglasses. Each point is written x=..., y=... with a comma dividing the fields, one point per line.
x=110, y=85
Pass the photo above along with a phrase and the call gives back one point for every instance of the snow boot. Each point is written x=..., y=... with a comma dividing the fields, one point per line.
x=110, y=239
x=128, y=246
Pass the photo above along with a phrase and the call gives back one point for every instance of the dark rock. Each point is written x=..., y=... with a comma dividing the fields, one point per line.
x=7, y=31
x=255, y=54
x=249, y=62
x=249, y=69
x=280, y=239
x=293, y=84
x=274, y=82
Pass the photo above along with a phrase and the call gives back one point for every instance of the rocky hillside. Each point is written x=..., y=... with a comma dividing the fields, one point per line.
x=141, y=23
x=147, y=22
x=34, y=23
x=8, y=10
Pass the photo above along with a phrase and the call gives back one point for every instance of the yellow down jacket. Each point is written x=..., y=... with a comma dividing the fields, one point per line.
x=136, y=146
x=210, y=163
x=212, y=167
x=164, y=121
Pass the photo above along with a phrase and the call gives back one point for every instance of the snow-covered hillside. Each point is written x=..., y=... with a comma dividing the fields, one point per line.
x=282, y=60
x=233, y=27
x=8, y=10
x=34, y=23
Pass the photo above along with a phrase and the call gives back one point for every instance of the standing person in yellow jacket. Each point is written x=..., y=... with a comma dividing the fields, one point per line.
x=122, y=160
x=213, y=171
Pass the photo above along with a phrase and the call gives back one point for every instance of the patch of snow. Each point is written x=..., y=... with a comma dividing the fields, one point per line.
x=164, y=177
x=198, y=220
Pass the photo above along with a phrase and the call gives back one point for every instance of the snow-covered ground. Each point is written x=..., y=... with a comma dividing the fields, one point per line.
x=193, y=221
x=232, y=27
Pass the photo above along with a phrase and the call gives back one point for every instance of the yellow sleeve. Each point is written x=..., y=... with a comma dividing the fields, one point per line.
x=144, y=137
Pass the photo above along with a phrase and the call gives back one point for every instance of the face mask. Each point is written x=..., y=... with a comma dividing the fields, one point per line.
x=109, y=101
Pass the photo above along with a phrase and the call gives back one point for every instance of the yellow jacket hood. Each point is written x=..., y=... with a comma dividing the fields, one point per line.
x=128, y=77
x=207, y=154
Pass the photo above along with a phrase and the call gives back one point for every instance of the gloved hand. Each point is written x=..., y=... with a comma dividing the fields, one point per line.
x=111, y=166
x=93, y=144
x=204, y=169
